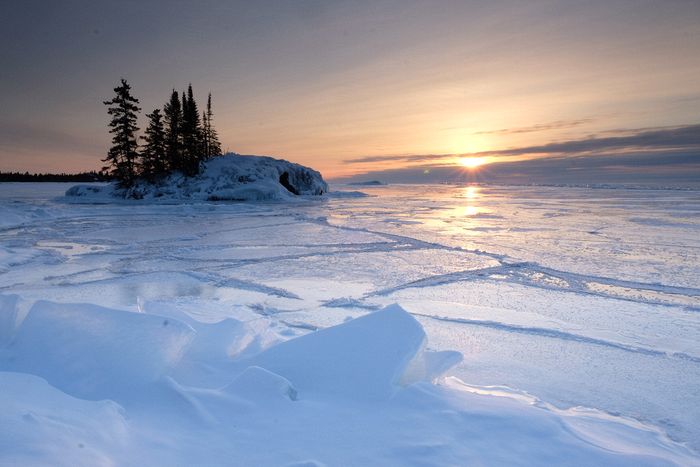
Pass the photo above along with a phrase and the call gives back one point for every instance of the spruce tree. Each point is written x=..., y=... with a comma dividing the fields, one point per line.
x=122, y=156
x=186, y=137
x=153, y=155
x=205, y=136
x=212, y=146
x=173, y=133
x=191, y=133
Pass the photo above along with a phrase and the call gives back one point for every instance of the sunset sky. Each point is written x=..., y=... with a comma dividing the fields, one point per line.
x=563, y=90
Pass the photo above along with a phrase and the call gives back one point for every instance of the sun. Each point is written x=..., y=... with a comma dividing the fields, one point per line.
x=472, y=162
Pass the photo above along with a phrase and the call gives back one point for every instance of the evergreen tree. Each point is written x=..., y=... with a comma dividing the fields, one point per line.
x=186, y=137
x=205, y=136
x=153, y=156
x=191, y=134
x=173, y=133
x=212, y=146
x=122, y=156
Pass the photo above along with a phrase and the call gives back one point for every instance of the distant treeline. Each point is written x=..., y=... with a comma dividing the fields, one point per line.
x=178, y=139
x=62, y=177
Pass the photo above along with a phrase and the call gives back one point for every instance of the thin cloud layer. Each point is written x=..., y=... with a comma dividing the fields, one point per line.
x=558, y=125
x=673, y=138
x=660, y=157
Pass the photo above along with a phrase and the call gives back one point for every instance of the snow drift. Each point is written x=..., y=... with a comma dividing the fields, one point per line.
x=231, y=177
x=86, y=385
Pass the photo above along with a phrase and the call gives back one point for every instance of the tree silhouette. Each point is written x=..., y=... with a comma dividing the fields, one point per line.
x=212, y=146
x=173, y=127
x=176, y=139
x=122, y=156
x=192, y=146
x=153, y=155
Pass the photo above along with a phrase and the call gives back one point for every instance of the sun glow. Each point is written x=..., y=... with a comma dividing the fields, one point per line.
x=472, y=162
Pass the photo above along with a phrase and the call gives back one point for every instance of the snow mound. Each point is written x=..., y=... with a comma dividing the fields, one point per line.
x=360, y=393
x=43, y=426
x=231, y=177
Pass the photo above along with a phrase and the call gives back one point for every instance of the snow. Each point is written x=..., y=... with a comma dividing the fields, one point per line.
x=427, y=325
x=93, y=352
x=84, y=377
x=335, y=360
x=232, y=177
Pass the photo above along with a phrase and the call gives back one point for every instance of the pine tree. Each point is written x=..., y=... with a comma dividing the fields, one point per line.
x=122, y=156
x=212, y=146
x=173, y=133
x=153, y=156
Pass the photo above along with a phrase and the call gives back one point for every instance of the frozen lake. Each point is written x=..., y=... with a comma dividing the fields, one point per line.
x=576, y=296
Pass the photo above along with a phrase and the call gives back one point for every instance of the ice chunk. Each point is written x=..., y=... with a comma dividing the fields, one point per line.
x=211, y=341
x=94, y=352
x=364, y=358
x=208, y=357
x=429, y=365
x=257, y=383
x=8, y=317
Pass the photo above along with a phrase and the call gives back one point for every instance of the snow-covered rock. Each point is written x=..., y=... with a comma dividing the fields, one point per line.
x=231, y=177
x=347, y=194
x=368, y=183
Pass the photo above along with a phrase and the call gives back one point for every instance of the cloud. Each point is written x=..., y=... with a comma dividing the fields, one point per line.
x=660, y=156
x=405, y=158
x=679, y=168
x=558, y=125
x=662, y=138
x=687, y=136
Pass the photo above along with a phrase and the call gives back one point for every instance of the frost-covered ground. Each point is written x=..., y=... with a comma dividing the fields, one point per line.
x=576, y=311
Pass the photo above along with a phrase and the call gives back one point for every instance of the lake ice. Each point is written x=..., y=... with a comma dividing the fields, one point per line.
x=329, y=331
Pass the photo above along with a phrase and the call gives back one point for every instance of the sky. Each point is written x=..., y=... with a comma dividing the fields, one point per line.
x=542, y=91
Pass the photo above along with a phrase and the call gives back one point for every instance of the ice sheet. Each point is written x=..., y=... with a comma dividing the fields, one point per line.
x=577, y=297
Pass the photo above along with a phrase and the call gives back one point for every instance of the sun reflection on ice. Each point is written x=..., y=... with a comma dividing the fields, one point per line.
x=471, y=211
x=467, y=214
x=471, y=192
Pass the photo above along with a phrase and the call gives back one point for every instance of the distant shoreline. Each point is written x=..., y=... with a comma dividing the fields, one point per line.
x=82, y=177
